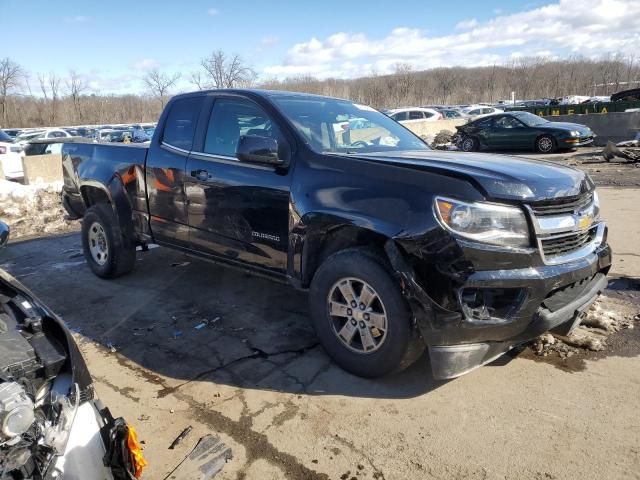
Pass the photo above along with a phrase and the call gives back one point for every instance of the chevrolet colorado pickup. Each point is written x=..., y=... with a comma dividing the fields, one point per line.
x=400, y=247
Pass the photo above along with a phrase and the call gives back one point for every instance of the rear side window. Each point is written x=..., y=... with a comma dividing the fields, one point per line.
x=486, y=122
x=415, y=115
x=181, y=122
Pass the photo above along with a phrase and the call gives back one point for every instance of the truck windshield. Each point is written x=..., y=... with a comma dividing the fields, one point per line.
x=339, y=126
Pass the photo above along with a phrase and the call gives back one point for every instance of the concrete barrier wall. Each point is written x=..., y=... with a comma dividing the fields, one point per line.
x=615, y=127
x=424, y=128
x=45, y=168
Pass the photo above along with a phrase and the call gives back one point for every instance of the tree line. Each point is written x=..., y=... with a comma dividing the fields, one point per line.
x=50, y=100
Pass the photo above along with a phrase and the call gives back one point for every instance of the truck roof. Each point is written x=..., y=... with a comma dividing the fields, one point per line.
x=258, y=92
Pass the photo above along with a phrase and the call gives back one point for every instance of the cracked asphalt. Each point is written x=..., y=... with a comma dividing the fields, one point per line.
x=255, y=375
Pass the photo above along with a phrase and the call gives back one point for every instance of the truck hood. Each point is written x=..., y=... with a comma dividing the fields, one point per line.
x=497, y=176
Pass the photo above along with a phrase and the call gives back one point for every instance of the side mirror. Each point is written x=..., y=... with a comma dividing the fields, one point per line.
x=4, y=233
x=256, y=149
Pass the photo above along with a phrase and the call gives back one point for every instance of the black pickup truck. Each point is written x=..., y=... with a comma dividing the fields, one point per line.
x=399, y=246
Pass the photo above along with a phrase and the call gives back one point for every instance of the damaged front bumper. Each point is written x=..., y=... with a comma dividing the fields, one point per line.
x=527, y=302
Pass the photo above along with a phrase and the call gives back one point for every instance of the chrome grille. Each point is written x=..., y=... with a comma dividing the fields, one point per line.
x=567, y=243
x=564, y=206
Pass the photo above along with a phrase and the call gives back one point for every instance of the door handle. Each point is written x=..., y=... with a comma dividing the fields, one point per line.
x=201, y=175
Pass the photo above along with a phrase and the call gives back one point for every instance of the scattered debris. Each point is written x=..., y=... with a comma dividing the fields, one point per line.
x=111, y=347
x=581, y=338
x=180, y=264
x=177, y=334
x=612, y=151
x=443, y=140
x=143, y=418
x=180, y=437
x=206, y=460
x=597, y=324
x=204, y=323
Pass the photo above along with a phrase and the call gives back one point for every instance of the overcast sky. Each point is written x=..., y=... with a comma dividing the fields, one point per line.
x=113, y=42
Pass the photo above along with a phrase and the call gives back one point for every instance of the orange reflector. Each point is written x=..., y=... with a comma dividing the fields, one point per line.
x=445, y=208
x=135, y=450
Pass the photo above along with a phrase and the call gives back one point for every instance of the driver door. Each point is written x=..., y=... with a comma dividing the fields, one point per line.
x=510, y=133
x=238, y=211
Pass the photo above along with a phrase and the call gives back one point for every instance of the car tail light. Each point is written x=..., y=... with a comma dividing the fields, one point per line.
x=3, y=150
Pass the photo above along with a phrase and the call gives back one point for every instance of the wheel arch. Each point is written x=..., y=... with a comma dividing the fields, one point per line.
x=322, y=240
x=113, y=194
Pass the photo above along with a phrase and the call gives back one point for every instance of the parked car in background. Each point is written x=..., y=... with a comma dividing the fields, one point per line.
x=477, y=111
x=521, y=130
x=112, y=135
x=403, y=115
x=48, y=133
x=448, y=113
x=10, y=157
x=27, y=135
x=149, y=130
x=13, y=132
x=42, y=146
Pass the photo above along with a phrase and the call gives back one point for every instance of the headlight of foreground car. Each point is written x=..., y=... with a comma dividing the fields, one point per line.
x=484, y=222
x=574, y=133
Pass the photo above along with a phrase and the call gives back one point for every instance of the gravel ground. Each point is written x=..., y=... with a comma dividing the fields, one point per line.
x=617, y=173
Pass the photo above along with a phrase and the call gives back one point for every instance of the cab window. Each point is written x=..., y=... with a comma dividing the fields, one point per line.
x=232, y=118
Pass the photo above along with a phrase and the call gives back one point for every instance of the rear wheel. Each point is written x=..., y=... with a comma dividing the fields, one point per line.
x=469, y=144
x=546, y=144
x=360, y=315
x=107, y=251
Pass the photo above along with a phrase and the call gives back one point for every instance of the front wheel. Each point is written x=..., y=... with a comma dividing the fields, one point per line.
x=360, y=315
x=546, y=144
x=107, y=251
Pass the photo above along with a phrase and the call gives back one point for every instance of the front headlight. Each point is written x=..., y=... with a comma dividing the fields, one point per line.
x=574, y=133
x=484, y=222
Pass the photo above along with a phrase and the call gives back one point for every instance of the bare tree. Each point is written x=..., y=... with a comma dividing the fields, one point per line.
x=160, y=83
x=446, y=79
x=76, y=87
x=227, y=72
x=197, y=79
x=10, y=75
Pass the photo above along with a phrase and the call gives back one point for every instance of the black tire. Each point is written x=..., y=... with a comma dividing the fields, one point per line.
x=401, y=345
x=120, y=252
x=546, y=144
x=469, y=144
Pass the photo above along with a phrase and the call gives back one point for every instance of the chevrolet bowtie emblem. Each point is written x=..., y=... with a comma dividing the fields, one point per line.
x=584, y=222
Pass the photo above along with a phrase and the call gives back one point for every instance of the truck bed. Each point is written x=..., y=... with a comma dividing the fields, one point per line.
x=92, y=168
